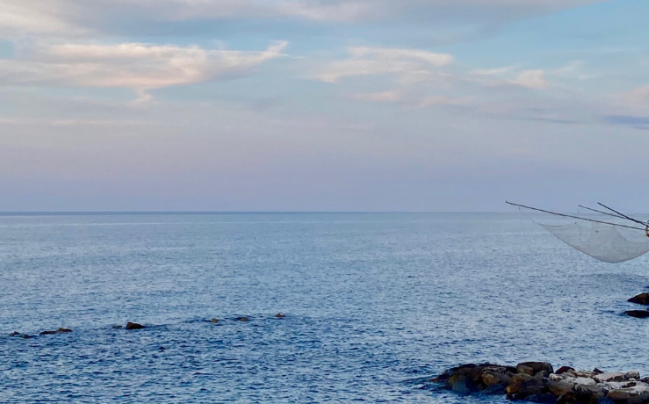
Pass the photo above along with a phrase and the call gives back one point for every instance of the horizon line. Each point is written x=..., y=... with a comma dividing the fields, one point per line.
x=197, y=212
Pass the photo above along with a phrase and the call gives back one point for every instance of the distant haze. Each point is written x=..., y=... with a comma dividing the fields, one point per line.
x=322, y=105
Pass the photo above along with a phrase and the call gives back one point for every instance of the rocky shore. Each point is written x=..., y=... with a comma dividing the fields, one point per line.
x=538, y=382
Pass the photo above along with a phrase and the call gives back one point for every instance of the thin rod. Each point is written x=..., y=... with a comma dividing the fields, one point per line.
x=574, y=217
x=602, y=212
x=622, y=214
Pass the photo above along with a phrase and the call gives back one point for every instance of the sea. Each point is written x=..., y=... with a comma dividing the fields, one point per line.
x=375, y=305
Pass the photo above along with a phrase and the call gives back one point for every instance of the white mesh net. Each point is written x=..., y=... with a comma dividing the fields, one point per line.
x=604, y=242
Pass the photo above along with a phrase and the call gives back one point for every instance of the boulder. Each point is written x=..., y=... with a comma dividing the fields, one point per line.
x=632, y=395
x=637, y=313
x=583, y=381
x=632, y=375
x=14, y=334
x=559, y=388
x=564, y=369
x=526, y=387
x=495, y=376
x=214, y=320
x=280, y=315
x=537, y=366
x=460, y=384
x=525, y=369
x=642, y=298
x=516, y=382
x=589, y=393
x=610, y=377
x=64, y=330
x=134, y=326
x=47, y=332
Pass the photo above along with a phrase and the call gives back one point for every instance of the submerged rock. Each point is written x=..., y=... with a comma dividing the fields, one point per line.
x=637, y=313
x=60, y=330
x=280, y=315
x=134, y=326
x=642, y=298
x=244, y=319
x=214, y=320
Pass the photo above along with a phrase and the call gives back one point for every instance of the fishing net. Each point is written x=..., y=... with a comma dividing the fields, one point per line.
x=607, y=236
x=603, y=242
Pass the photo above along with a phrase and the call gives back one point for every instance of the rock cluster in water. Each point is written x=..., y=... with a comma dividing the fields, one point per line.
x=128, y=326
x=27, y=336
x=642, y=298
x=538, y=382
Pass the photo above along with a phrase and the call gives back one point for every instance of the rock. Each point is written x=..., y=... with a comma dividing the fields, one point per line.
x=244, y=319
x=597, y=371
x=459, y=384
x=564, y=369
x=559, y=388
x=47, y=332
x=537, y=366
x=589, y=392
x=516, y=383
x=584, y=381
x=493, y=376
x=525, y=369
x=476, y=377
x=610, y=377
x=527, y=387
x=642, y=298
x=632, y=375
x=18, y=334
x=632, y=395
x=566, y=398
x=214, y=320
x=64, y=330
x=134, y=326
x=280, y=315
x=637, y=313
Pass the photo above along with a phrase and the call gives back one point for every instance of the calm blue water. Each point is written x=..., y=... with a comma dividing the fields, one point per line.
x=375, y=303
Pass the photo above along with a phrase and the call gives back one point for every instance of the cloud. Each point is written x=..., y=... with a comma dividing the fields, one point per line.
x=340, y=10
x=637, y=122
x=137, y=66
x=638, y=96
x=534, y=79
x=434, y=101
x=384, y=96
x=67, y=16
x=29, y=16
x=365, y=61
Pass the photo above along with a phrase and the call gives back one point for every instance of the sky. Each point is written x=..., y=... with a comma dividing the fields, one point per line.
x=323, y=105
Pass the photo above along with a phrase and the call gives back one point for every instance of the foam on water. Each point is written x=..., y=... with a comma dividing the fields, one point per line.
x=375, y=304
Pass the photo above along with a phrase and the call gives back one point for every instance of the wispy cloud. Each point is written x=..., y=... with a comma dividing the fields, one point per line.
x=534, y=79
x=383, y=96
x=364, y=61
x=637, y=122
x=137, y=66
